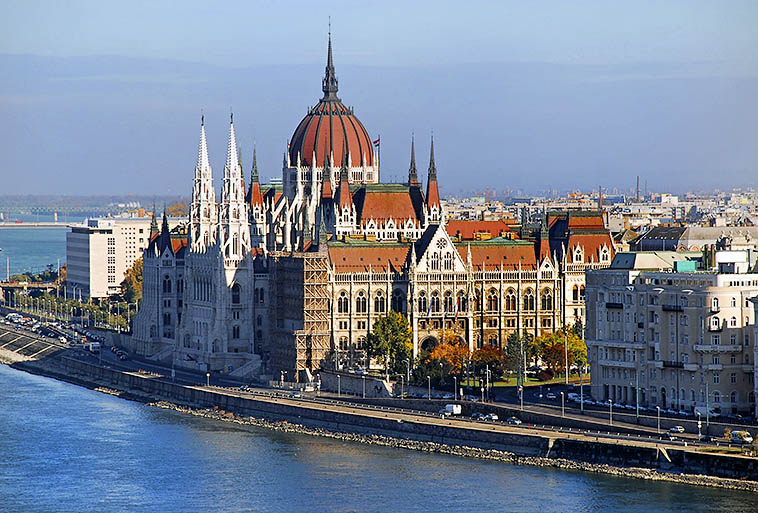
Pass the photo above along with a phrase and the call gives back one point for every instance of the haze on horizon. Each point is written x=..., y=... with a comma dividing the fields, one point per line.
x=102, y=98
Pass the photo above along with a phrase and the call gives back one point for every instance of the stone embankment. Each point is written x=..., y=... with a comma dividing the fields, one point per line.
x=462, y=451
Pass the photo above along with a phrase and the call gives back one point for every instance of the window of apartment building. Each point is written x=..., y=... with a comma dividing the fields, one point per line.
x=343, y=325
x=733, y=378
x=733, y=302
x=685, y=339
x=733, y=339
x=166, y=303
x=716, y=380
x=361, y=325
x=716, y=360
x=510, y=323
x=259, y=321
x=733, y=322
x=235, y=332
x=236, y=315
x=716, y=340
x=492, y=322
x=529, y=323
x=547, y=322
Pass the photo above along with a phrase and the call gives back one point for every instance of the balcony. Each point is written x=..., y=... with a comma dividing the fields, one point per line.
x=617, y=306
x=617, y=363
x=718, y=348
x=672, y=364
x=690, y=367
x=673, y=308
x=714, y=366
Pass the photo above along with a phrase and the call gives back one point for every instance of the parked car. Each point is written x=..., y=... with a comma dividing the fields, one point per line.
x=477, y=416
x=491, y=416
x=513, y=420
x=296, y=395
x=677, y=429
x=551, y=395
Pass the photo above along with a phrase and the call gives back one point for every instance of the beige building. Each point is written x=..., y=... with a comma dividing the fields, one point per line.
x=99, y=252
x=666, y=333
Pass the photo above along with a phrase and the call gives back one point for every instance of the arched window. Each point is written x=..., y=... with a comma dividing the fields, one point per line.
x=380, y=303
x=733, y=302
x=510, y=301
x=361, y=343
x=716, y=397
x=715, y=323
x=528, y=300
x=477, y=300
x=236, y=294
x=733, y=322
x=343, y=305
x=343, y=344
x=435, y=302
x=435, y=261
x=448, y=262
x=449, y=308
x=361, y=303
x=581, y=292
x=423, y=304
x=575, y=293
x=398, y=301
x=492, y=339
x=715, y=304
x=733, y=397
x=546, y=301
x=166, y=285
x=235, y=244
x=462, y=302
x=692, y=395
x=492, y=300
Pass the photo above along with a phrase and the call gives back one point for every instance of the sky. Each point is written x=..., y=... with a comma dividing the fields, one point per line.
x=105, y=97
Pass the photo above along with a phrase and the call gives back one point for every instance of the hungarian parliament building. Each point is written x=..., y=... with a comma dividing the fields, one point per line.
x=282, y=279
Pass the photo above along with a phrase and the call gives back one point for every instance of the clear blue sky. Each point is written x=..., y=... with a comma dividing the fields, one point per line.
x=104, y=97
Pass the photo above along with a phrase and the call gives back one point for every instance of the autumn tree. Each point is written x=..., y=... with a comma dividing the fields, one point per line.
x=391, y=341
x=551, y=349
x=131, y=287
x=491, y=357
x=177, y=210
x=451, y=351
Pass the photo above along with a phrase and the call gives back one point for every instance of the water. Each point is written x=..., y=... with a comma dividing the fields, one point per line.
x=66, y=448
x=31, y=249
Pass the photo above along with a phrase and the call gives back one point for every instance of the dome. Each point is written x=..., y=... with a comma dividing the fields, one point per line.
x=330, y=127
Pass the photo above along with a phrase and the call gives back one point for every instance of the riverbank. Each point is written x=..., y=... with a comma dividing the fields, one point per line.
x=283, y=421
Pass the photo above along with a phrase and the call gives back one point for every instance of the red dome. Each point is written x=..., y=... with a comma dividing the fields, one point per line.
x=327, y=128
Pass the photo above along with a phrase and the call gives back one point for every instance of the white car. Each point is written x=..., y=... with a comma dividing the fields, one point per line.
x=677, y=429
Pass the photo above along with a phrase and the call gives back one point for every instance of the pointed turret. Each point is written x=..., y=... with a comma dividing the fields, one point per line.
x=345, y=200
x=544, y=238
x=432, y=190
x=256, y=198
x=329, y=84
x=164, y=240
x=412, y=173
x=326, y=177
x=153, y=225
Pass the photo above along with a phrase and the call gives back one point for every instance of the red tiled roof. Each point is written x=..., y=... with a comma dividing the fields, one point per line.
x=432, y=193
x=177, y=244
x=319, y=130
x=488, y=257
x=467, y=229
x=381, y=206
x=358, y=258
x=591, y=242
x=256, y=198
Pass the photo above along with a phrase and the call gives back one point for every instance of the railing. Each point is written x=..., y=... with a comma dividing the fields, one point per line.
x=673, y=308
x=675, y=365
x=619, y=306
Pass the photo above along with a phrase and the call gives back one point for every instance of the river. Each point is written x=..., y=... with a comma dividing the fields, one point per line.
x=66, y=448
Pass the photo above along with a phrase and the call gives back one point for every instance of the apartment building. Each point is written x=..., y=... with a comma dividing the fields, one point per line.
x=663, y=329
x=100, y=251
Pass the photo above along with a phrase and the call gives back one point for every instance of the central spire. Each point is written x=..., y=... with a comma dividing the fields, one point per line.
x=412, y=173
x=329, y=83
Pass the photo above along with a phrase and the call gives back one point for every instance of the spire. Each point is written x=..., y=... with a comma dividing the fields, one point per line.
x=203, y=164
x=326, y=177
x=329, y=83
x=345, y=200
x=232, y=157
x=165, y=237
x=412, y=173
x=432, y=190
x=256, y=198
x=153, y=225
x=254, y=171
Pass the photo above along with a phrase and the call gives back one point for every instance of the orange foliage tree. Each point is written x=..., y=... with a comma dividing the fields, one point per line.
x=451, y=350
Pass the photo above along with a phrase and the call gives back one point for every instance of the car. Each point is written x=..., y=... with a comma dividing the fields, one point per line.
x=477, y=416
x=491, y=416
x=676, y=429
x=551, y=395
x=513, y=420
x=448, y=396
x=123, y=357
x=443, y=412
x=296, y=395
x=668, y=436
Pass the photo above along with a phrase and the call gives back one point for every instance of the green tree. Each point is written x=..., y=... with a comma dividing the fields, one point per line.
x=131, y=287
x=391, y=341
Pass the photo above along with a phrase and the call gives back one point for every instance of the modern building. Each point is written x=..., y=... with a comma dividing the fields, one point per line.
x=291, y=276
x=100, y=251
x=664, y=329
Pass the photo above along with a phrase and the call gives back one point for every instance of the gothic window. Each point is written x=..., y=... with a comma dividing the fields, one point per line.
x=448, y=262
x=361, y=343
x=462, y=302
x=380, y=302
x=422, y=303
x=575, y=293
x=435, y=302
x=492, y=302
x=343, y=344
x=715, y=304
x=361, y=303
x=449, y=302
x=528, y=300
x=166, y=285
x=578, y=255
x=492, y=339
x=477, y=300
x=546, y=302
x=733, y=322
x=510, y=301
x=581, y=293
x=180, y=286
x=235, y=332
x=236, y=294
x=435, y=261
x=235, y=244
x=398, y=301
x=343, y=304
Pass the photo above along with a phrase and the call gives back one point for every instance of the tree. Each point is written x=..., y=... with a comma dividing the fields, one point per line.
x=177, y=210
x=451, y=351
x=551, y=349
x=131, y=287
x=391, y=341
x=491, y=357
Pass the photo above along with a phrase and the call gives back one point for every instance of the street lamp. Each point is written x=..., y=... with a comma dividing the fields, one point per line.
x=429, y=382
x=482, y=394
x=563, y=405
x=658, y=409
x=364, y=386
x=699, y=425
x=402, y=386
x=208, y=378
x=408, y=370
x=339, y=385
x=455, y=388
x=610, y=411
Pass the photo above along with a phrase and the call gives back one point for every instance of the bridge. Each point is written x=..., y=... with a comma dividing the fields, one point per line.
x=26, y=226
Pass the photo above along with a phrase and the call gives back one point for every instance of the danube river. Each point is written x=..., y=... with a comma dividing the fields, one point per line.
x=66, y=448
x=31, y=249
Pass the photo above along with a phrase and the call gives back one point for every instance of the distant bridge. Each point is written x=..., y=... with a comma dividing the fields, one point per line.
x=27, y=226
